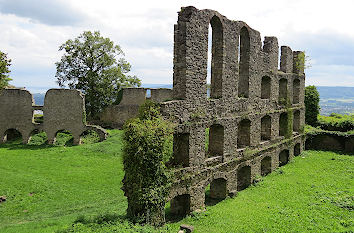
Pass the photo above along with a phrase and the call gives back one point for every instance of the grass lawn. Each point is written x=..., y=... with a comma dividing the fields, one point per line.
x=77, y=189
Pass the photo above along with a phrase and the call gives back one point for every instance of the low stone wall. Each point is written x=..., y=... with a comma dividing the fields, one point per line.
x=63, y=110
x=116, y=115
x=332, y=141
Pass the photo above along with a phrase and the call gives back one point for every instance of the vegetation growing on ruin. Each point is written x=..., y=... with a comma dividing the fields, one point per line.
x=312, y=100
x=147, y=149
x=78, y=189
x=290, y=125
x=5, y=63
x=302, y=61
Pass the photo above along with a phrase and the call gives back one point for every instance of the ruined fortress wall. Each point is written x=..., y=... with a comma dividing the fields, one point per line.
x=330, y=141
x=254, y=117
x=160, y=95
x=63, y=110
x=16, y=112
x=116, y=115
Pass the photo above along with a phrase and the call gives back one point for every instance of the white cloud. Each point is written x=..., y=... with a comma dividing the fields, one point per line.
x=144, y=29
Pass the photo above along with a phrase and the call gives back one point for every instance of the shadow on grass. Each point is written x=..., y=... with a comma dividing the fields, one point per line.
x=212, y=201
x=209, y=201
x=17, y=145
x=99, y=219
x=172, y=218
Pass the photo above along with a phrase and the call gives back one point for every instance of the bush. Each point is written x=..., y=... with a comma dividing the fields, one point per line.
x=148, y=146
x=336, y=122
x=90, y=137
x=38, y=139
x=312, y=99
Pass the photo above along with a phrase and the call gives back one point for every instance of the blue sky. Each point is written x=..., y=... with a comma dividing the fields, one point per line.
x=33, y=30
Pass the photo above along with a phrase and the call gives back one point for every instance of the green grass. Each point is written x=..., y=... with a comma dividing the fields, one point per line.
x=48, y=187
x=77, y=189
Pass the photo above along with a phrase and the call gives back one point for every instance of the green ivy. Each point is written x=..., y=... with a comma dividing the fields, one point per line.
x=148, y=146
x=312, y=99
x=290, y=125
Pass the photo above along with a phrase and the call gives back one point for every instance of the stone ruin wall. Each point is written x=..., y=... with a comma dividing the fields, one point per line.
x=132, y=98
x=247, y=115
x=63, y=110
x=330, y=141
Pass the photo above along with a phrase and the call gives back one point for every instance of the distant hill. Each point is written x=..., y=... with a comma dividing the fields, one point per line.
x=336, y=92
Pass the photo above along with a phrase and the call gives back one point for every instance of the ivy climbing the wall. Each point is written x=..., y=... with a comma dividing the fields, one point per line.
x=312, y=100
x=148, y=146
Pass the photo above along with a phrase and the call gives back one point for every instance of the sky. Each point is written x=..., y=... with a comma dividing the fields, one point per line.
x=33, y=30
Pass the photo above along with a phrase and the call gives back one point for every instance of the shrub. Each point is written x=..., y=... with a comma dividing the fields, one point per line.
x=90, y=137
x=312, y=99
x=336, y=122
x=148, y=146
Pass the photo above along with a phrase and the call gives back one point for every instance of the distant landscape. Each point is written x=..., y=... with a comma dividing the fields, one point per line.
x=332, y=99
x=336, y=99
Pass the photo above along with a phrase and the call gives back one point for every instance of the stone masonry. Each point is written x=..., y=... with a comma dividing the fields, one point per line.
x=116, y=115
x=253, y=119
x=63, y=110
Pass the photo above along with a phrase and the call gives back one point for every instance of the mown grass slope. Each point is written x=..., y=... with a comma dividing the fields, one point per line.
x=77, y=189
x=48, y=187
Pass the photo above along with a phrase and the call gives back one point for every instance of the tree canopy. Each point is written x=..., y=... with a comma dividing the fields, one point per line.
x=96, y=66
x=4, y=70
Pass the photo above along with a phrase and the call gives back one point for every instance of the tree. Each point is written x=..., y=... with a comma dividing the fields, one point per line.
x=4, y=70
x=312, y=99
x=96, y=66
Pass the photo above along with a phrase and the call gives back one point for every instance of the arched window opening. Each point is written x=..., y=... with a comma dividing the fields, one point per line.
x=63, y=138
x=283, y=124
x=243, y=178
x=215, y=192
x=244, y=133
x=296, y=91
x=266, y=166
x=37, y=138
x=297, y=149
x=266, y=128
x=265, y=87
x=12, y=135
x=178, y=207
x=296, y=121
x=215, y=57
x=244, y=63
x=181, y=149
x=216, y=141
x=283, y=91
x=283, y=157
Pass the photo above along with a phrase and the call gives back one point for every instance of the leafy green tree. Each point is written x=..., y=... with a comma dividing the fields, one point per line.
x=96, y=66
x=312, y=99
x=4, y=70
